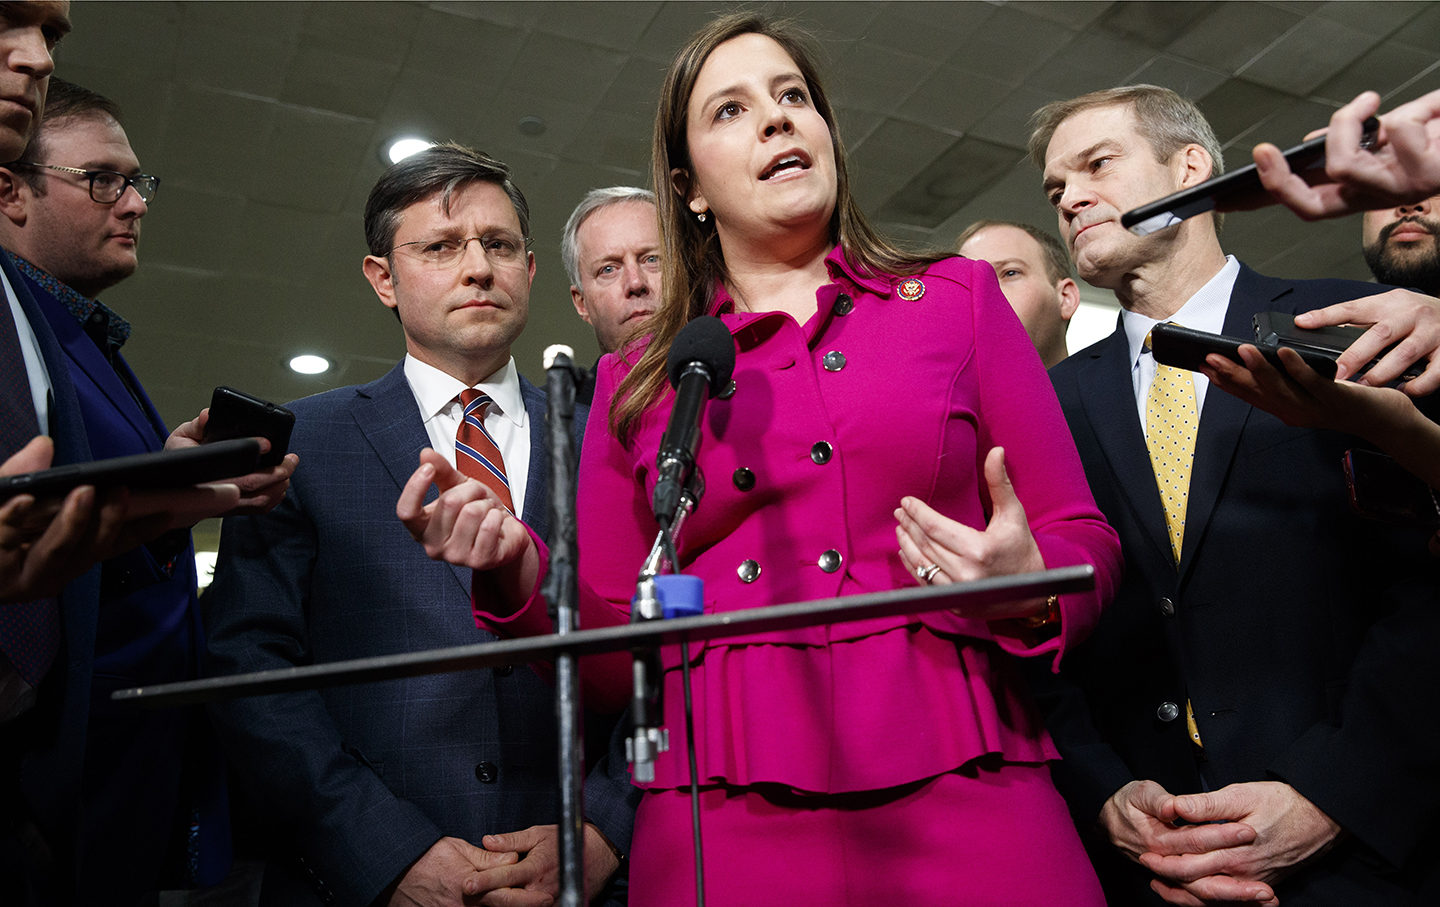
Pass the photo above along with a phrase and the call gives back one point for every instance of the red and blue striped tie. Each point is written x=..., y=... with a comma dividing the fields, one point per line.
x=476, y=454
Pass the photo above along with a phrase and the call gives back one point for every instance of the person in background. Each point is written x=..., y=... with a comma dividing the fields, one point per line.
x=1402, y=245
x=1034, y=273
x=611, y=252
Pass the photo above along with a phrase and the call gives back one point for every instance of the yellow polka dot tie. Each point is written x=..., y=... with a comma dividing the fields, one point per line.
x=1170, y=423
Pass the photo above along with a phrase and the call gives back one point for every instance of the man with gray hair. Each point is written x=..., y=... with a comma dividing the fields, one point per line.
x=1250, y=698
x=611, y=250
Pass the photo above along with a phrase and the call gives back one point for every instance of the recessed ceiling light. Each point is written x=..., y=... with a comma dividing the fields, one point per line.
x=310, y=365
x=400, y=149
x=531, y=126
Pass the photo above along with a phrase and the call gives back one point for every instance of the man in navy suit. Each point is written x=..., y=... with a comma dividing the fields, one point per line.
x=1249, y=680
x=390, y=792
x=153, y=813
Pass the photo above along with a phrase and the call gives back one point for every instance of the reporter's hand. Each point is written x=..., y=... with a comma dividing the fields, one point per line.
x=1403, y=168
x=1408, y=320
x=44, y=545
x=260, y=491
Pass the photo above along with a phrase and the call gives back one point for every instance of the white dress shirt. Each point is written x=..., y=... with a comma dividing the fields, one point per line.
x=1205, y=311
x=438, y=396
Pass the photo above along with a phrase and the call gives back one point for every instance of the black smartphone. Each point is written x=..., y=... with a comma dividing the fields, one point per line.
x=1382, y=490
x=236, y=414
x=1278, y=329
x=1186, y=348
x=160, y=469
x=1231, y=187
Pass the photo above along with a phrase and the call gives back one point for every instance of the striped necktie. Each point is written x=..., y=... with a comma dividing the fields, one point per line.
x=476, y=454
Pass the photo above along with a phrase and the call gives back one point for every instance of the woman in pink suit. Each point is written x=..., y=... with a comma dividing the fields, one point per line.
x=895, y=760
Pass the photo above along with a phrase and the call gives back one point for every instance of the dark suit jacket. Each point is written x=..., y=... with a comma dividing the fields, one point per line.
x=362, y=780
x=141, y=767
x=49, y=742
x=1298, y=630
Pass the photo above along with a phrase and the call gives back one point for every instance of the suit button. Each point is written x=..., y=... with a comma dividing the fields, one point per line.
x=834, y=361
x=749, y=571
x=486, y=773
x=829, y=561
x=843, y=305
x=504, y=670
x=743, y=478
x=1167, y=607
x=1168, y=711
x=729, y=390
x=821, y=452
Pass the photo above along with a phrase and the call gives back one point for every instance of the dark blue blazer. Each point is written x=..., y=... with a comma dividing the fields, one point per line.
x=1298, y=630
x=143, y=629
x=361, y=780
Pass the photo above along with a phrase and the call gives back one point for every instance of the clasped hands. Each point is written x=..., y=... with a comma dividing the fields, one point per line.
x=519, y=869
x=1242, y=838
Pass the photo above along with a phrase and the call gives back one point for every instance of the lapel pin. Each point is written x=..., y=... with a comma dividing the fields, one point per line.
x=911, y=289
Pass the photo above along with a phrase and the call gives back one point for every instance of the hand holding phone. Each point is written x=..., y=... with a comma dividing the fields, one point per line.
x=235, y=414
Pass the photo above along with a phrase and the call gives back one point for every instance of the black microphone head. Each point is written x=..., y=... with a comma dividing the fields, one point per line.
x=707, y=340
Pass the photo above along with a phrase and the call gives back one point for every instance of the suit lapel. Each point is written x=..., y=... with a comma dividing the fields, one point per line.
x=1107, y=393
x=388, y=416
x=536, y=509
x=1224, y=417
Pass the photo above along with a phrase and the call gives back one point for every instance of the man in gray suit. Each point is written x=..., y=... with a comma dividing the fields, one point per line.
x=387, y=793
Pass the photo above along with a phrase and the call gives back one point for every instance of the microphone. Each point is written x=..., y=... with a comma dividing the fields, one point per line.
x=701, y=361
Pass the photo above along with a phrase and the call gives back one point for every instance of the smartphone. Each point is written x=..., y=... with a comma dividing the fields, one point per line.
x=1380, y=489
x=235, y=414
x=1234, y=186
x=1186, y=348
x=160, y=469
x=1278, y=329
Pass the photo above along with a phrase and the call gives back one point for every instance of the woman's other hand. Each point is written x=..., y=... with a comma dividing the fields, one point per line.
x=1006, y=546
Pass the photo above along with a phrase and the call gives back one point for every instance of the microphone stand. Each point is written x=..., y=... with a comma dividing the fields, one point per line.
x=562, y=596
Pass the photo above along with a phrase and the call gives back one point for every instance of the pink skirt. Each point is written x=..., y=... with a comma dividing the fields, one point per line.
x=975, y=837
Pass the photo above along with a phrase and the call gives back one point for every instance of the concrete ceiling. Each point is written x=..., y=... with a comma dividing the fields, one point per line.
x=265, y=120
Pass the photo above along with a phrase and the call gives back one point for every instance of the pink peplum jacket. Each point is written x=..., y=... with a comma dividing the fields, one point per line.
x=878, y=396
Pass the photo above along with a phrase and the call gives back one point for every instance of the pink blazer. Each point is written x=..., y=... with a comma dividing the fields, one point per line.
x=831, y=423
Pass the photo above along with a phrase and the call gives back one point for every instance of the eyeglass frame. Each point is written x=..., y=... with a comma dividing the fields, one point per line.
x=521, y=253
x=91, y=175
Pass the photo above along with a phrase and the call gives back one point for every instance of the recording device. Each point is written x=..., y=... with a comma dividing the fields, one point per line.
x=701, y=361
x=158, y=469
x=1382, y=490
x=1186, y=348
x=1236, y=190
x=235, y=414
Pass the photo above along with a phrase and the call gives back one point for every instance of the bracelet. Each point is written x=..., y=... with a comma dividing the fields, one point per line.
x=1051, y=615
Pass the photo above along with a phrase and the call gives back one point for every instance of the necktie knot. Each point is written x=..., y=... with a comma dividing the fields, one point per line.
x=476, y=453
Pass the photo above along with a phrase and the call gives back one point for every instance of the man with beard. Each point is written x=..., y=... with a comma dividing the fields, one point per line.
x=1402, y=245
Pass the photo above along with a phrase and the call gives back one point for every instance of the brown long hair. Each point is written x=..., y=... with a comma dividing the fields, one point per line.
x=691, y=261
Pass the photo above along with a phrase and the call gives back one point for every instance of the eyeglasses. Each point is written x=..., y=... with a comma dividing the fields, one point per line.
x=505, y=249
x=106, y=186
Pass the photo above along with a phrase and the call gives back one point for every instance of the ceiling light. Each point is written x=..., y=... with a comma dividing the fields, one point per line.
x=531, y=126
x=310, y=365
x=400, y=149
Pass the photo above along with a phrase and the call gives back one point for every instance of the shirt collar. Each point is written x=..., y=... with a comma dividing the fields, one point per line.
x=80, y=306
x=840, y=269
x=434, y=390
x=1205, y=311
